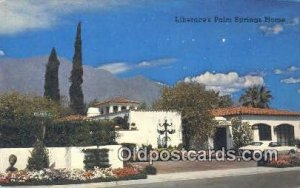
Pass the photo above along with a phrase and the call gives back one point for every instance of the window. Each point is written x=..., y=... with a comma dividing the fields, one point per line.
x=274, y=144
x=256, y=143
x=264, y=132
x=115, y=108
x=285, y=134
x=123, y=108
x=107, y=109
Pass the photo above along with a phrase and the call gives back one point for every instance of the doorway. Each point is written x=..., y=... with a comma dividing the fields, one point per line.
x=220, y=139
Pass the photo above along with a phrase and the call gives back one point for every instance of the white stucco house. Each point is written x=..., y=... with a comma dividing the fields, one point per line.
x=144, y=126
x=267, y=124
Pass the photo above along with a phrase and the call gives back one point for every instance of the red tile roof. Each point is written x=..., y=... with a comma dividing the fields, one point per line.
x=232, y=111
x=118, y=100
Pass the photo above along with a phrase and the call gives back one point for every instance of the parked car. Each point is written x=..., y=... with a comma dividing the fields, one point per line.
x=268, y=145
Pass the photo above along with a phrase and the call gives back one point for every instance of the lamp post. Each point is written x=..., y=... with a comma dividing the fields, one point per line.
x=42, y=115
x=166, y=129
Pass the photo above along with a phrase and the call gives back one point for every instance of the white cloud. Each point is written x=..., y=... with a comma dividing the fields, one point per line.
x=294, y=21
x=278, y=71
x=18, y=16
x=226, y=83
x=278, y=28
x=271, y=30
x=288, y=70
x=157, y=62
x=120, y=67
x=293, y=69
x=2, y=53
x=115, y=68
x=291, y=80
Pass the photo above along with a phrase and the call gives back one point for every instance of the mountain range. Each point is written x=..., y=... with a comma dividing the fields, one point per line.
x=26, y=75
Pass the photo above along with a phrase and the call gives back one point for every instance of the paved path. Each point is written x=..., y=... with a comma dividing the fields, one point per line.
x=191, y=176
x=288, y=179
x=164, y=167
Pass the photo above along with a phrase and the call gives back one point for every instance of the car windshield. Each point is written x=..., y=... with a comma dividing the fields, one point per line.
x=256, y=143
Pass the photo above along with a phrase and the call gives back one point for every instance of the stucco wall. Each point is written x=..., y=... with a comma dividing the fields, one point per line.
x=60, y=157
x=147, y=124
x=273, y=121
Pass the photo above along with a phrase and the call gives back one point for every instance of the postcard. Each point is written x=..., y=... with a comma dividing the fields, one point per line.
x=148, y=93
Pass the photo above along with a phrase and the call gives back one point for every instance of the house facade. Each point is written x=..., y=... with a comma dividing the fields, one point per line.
x=156, y=128
x=267, y=125
x=115, y=105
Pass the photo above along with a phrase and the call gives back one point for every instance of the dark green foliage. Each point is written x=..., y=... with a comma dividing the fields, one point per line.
x=297, y=142
x=147, y=147
x=242, y=133
x=122, y=122
x=18, y=125
x=80, y=133
x=257, y=97
x=194, y=103
x=51, y=87
x=131, y=147
x=225, y=101
x=58, y=134
x=75, y=91
x=143, y=106
x=93, y=103
x=149, y=169
x=96, y=158
x=39, y=157
x=19, y=108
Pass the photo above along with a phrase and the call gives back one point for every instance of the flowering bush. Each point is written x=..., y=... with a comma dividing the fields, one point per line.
x=285, y=161
x=123, y=172
x=64, y=176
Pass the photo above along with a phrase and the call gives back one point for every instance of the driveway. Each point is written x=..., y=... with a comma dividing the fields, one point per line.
x=267, y=180
x=188, y=166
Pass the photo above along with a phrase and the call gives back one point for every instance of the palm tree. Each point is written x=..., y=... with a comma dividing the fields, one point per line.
x=257, y=97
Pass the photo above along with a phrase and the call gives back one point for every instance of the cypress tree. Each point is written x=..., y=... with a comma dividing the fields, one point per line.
x=51, y=86
x=75, y=91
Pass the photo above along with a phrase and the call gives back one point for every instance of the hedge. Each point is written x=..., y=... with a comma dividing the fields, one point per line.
x=96, y=157
x=58, y=134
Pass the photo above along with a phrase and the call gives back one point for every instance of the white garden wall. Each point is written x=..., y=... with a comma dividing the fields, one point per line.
x=60, y=157
x=146, y=123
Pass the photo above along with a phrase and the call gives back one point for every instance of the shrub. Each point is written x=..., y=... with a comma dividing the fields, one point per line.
x=295, y=161
x=39, y=157
x=147, y=147
x=150, y=170
x=58, y=133
x=297, y=142
x=131, y=147
x=121, y=122
x=285, y=161
x=124, y=172
x=96, y=158
x=242, y=133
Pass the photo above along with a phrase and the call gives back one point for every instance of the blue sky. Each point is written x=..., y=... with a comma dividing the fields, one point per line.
x=141, y=37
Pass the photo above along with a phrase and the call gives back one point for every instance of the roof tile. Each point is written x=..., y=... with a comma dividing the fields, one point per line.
x=231, y=111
